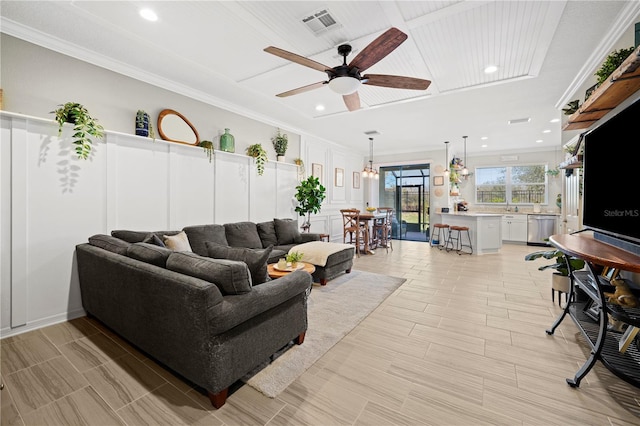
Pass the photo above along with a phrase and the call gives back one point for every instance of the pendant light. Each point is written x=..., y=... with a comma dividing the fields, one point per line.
x=465, y=172
x=446, y=158
x=369, y=171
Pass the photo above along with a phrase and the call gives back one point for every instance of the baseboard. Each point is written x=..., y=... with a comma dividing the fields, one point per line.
x=44, y=322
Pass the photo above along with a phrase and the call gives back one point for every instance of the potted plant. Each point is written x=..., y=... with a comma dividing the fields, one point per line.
x=83, y=126
x=310, y=196
x=613, y=61
x=294, y=257
x=143, y=124
x=280, y=142
x=260, y=155
x=560, y=280
x=208, y=148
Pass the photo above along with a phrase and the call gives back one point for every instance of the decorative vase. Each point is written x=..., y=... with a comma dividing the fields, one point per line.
x=227, y=142
x=281, y=158
x=142, y=125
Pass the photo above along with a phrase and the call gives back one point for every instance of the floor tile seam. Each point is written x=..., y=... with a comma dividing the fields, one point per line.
x=88, y=385
x=147, y=391
x=37, y=363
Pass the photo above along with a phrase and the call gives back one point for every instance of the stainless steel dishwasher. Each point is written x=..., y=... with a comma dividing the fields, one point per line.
x=539, y=228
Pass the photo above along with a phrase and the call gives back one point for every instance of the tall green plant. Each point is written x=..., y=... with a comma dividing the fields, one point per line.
x=83, y=126
x=310, y=196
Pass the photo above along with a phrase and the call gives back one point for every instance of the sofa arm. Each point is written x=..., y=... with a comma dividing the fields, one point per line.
x=236, y=309
x=307, y=237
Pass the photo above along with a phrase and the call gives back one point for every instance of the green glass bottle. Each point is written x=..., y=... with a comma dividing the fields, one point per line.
x=227, y=142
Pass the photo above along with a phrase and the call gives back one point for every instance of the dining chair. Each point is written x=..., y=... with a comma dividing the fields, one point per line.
x=385, y=228
x=357, y=232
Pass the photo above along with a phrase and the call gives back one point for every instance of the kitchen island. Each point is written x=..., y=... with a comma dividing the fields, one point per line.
x=485, y=229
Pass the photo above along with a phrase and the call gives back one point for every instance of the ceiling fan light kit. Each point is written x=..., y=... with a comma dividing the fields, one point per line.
x=346, y=79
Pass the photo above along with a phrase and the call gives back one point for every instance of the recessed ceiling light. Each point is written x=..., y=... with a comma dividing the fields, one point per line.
x=555, y=120
x=484, y=145
x=539, y=141
x=319, y=107
x=149, y=15
x=490, y=69
x=484, y=138
x=546, y=131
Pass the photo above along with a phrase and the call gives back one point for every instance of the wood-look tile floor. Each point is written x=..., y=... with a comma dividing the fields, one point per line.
x=461, y=342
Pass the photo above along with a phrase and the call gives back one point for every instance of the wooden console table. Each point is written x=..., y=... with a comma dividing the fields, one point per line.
x=604, y=344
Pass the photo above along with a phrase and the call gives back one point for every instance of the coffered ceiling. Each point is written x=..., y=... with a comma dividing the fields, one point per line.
x=213, y=51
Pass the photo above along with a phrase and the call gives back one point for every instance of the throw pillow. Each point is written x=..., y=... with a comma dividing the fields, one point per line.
x=256, y=259
x=267, y=232
x=287, y=231
x=112, y=244
x=149, y=253
x=152, y=238
x=230, y=276
x=178, y=242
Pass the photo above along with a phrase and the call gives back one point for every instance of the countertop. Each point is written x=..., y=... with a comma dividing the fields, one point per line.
x=473, y=214
x=479, y=214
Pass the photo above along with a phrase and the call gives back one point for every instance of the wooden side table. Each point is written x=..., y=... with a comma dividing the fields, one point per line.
x=324, y=237
x=274, y=273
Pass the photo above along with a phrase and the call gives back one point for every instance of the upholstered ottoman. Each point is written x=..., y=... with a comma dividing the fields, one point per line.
x=330, y=259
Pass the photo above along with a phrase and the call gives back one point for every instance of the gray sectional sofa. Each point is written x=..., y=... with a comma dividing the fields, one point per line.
x=210, y=320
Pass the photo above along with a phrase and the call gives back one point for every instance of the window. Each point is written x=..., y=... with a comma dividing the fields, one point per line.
x=511, y=184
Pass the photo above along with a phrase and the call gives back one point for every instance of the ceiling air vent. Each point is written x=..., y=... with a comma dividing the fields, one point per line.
x=520, y=120
x=371, y=132
x=320, y=21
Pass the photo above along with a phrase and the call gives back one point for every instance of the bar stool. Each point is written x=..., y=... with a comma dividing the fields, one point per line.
x=458, y=247
x=437, y=235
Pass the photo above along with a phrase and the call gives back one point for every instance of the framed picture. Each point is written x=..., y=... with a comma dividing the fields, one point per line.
x=438, y=180
x=356, y=180
x=316, y=171
x=339, y=176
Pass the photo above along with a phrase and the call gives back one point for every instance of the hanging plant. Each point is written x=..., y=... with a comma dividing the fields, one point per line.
x=208, y=148
x=83, y=126
x=613, y=61
x=280, y=143
x=260, y=155
x=301, y=171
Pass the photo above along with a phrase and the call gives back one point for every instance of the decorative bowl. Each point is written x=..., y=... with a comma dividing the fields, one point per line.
x=371, y=209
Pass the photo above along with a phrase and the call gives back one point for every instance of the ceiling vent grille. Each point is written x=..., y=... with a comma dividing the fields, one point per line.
x=371, y=132
x=320, y=21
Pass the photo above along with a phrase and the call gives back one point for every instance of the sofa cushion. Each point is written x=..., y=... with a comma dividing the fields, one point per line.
x=287, y=231
x=256, y=259
x=138, y=236
x=152, y=238
x=276, y=254
x=243, y=234
x=149, y=253
x=199, y=234
x=230, y=276
x=112, y=244
x=178, y=242
x=267, y=232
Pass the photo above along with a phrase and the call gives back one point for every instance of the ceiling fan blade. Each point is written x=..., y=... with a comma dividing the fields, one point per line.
x=378, y=49
x=352, y=101
x=395, y=81
x=296, y=58
x=302, y=89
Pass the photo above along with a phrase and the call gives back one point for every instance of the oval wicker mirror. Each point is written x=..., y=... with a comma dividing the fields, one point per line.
x=174, y=127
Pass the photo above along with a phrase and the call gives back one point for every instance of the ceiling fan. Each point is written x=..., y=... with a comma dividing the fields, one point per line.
x=346, y=79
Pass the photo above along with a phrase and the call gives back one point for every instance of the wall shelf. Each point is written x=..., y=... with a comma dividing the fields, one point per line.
x=621, y=84
x=573, y=162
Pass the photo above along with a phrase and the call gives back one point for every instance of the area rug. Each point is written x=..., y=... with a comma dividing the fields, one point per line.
x=333, y=311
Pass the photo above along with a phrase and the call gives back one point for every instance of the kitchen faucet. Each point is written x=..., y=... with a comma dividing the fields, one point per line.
x=508, y=208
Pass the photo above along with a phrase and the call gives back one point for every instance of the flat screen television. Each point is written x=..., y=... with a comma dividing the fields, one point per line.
x=611, y=190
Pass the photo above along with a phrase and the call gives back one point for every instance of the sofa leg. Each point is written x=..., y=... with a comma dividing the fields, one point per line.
x=348, y=271
x=323, y=281
x=218, y=399
x=300, y=339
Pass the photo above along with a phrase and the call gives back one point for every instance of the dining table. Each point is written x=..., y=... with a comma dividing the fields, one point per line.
x=368, y=219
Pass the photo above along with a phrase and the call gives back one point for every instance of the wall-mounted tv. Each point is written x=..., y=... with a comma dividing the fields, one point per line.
x=611, y=188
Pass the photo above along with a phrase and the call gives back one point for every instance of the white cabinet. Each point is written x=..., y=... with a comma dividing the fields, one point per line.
x=514, y=228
